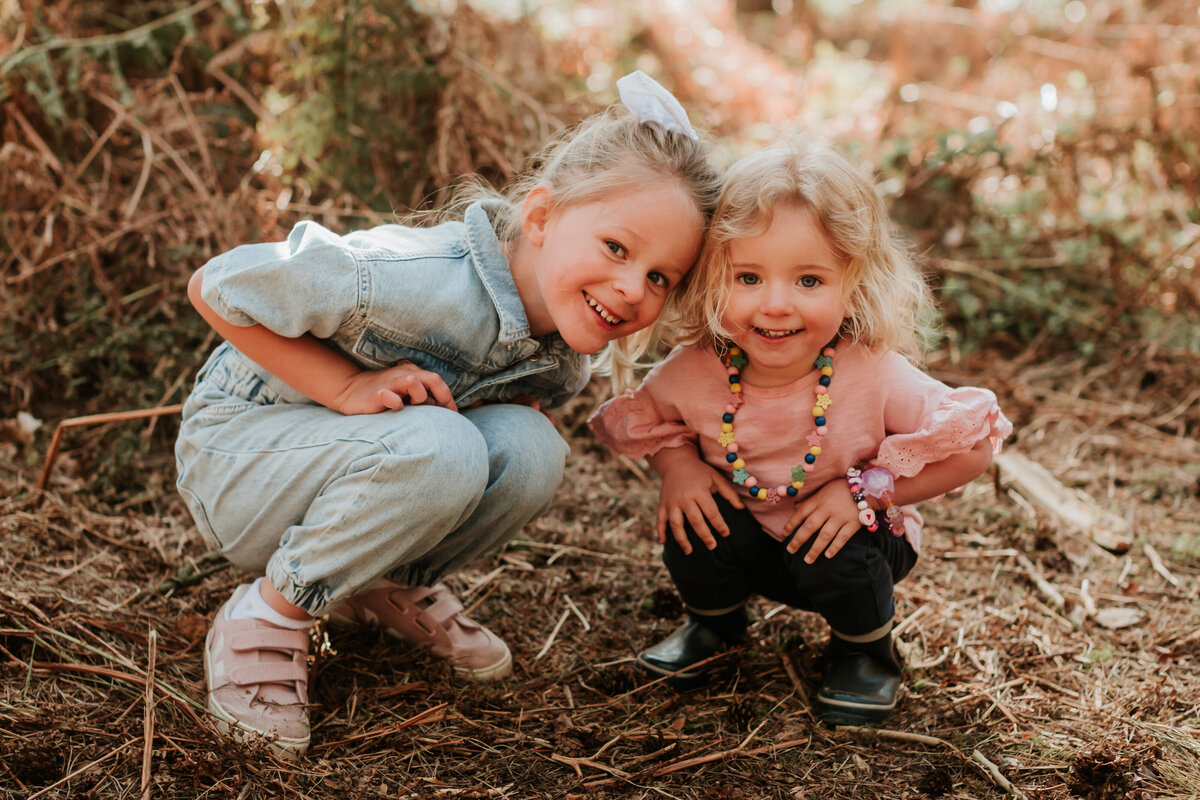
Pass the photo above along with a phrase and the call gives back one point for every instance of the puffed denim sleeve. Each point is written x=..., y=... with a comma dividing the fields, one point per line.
x=309, y=283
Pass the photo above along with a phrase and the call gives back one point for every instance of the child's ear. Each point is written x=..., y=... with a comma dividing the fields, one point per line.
x=535, y=214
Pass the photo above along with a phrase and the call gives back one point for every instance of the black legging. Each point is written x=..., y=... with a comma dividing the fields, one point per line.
x=852, y=590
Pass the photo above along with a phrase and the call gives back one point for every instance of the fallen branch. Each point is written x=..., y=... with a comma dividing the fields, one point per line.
x=1071, y=508
x=977, y=758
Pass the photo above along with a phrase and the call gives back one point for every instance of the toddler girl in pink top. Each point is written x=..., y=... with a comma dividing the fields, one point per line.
x=792, y=433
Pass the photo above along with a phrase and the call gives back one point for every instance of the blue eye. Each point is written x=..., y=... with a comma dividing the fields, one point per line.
x=810, y=281
x=748, y=279
x=614, y=247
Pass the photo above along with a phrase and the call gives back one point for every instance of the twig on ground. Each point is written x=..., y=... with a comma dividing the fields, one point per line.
x=553, y=634
x=83, y=769
x=1157, y=563
x=989, y=769
x=148, y=725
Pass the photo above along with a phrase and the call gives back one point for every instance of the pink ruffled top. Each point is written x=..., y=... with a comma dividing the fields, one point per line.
x=884, y=411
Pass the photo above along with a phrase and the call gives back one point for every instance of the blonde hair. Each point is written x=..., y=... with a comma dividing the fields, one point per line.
x=607, y=152
x=886, y=296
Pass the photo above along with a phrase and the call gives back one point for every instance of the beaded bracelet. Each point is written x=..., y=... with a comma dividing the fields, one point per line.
x=879, y=483
x=866, y=514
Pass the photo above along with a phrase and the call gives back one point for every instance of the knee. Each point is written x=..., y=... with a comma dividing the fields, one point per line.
x=524, y=450
x=856, y=566
x=442, y=454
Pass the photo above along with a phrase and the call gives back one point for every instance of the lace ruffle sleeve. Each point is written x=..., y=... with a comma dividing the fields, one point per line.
x=962, y=418
x=633, y=425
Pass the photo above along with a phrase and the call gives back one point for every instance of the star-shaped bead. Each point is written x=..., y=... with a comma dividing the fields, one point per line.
x=736, y=400
x=823, y=361
x=739, y=476
x=814, y=438
x=798, y=474
x=772, y=496
x=725, y=439
x=824, y=400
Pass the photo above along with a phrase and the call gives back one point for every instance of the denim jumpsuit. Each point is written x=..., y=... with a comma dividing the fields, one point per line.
x=326, y=503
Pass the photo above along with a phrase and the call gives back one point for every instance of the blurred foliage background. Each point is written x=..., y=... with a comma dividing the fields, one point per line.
x=1042, y=154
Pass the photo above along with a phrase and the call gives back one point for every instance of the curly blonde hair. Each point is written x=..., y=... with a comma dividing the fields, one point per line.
x=886, y=296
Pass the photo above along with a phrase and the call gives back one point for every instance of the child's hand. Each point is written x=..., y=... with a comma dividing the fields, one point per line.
x=831, y=513
x=372, y=391
x=688, y=485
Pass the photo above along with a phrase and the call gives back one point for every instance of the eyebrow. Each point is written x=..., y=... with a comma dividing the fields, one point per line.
x=805, y=266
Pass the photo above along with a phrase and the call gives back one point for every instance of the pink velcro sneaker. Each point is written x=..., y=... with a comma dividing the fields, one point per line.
x=257, y=677
x=430, y=617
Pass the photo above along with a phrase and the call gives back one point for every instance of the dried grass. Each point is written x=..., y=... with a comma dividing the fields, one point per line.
x=1005, y=686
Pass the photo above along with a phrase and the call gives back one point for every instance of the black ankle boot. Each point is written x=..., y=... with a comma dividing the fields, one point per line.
x=699, y=638
x=861, y=682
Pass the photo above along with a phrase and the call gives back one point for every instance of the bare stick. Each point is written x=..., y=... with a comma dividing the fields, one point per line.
x=1044, y=586
x=148, y=727
x=994, y=773
x=82, y=769
x=1072, y=508
x=553, y=634
x=990, y=769
x=95, y=419
x=1159, y=567
x=586, y=625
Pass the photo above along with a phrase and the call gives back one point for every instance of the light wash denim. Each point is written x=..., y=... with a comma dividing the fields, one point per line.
x=442, y=298
x=326, y=503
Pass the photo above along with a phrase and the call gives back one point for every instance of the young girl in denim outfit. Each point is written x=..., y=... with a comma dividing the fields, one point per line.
x=372, y=422
x=792, y=425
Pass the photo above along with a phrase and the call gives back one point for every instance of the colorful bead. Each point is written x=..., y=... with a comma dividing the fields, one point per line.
x=735, y=362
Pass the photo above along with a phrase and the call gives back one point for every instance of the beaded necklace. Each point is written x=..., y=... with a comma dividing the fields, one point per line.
x=735, y=362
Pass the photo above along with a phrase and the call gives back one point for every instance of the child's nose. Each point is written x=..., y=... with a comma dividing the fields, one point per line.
x=778, y=300
x=631, y=287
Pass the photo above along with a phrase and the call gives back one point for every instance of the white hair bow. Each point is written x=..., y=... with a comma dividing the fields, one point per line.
x=650, y=102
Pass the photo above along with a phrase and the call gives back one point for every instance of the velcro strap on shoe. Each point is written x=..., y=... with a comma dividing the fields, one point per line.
x=269, y=672
x=444, y=609
x=269, y=639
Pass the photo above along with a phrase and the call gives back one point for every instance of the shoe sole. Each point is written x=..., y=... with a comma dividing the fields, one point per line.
x=676, y=680
x=494, y=672
x=846, y=712
x=286, y=747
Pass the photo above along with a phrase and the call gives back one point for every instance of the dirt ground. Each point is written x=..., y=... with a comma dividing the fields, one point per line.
x=1038, y=663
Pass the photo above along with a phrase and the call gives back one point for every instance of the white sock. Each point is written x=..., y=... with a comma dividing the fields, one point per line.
x=253, y=606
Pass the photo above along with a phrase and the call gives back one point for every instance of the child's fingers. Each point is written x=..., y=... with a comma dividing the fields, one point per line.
x=843, y=535
x=440, y=391
x=713, y=516
x=389, y=399
x=832, y=531
x=700, y=527
x=804, y=531
x=726, y=490
x=675, y=520
x=681, y=538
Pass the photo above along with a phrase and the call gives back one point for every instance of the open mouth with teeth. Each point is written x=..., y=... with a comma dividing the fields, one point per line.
x=611, y=319
x=775, y=334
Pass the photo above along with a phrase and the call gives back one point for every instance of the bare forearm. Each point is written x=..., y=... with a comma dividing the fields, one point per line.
x=670, y=458
x=305, y=364
x=944, y=476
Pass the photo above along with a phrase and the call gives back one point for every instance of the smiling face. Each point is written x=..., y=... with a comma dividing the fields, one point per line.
x=787, y=299
x=602, y=269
